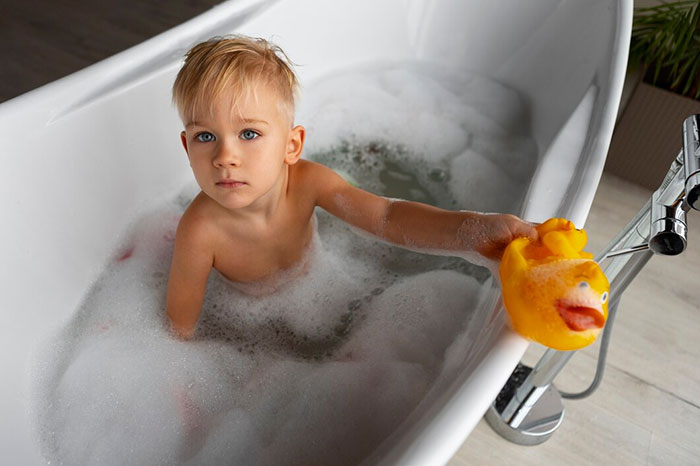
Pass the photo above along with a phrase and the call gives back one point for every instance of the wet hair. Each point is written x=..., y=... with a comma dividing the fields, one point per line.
x=235, y=64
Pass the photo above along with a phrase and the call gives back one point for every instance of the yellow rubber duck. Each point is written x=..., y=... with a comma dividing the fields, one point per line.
x=554, y=292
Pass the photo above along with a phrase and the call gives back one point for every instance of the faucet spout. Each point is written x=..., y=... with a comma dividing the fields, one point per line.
x=669, y=231
x=679, y=192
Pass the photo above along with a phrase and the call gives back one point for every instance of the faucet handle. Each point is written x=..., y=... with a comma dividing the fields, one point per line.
x=691, y=160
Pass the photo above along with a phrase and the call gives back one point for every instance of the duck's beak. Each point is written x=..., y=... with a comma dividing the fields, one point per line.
x=579, y=318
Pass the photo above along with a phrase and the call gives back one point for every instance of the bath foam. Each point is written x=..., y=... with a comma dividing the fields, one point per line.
x=264, y=374
x=431, y=115
x=491, y=197
x=321, y=371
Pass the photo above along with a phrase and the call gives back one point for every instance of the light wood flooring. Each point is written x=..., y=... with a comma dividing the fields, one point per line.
x=647, y=409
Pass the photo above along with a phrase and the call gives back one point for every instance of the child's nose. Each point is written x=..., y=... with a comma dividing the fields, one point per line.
x=226, y=156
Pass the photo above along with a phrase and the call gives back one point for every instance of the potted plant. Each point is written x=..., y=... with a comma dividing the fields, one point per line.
x=665, y=58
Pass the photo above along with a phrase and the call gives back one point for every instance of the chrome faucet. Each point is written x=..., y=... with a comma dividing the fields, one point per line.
x=691, y=160
x=529, y=408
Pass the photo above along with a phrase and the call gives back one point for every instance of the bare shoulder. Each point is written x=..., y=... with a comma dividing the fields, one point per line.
x=308, y=171
x=317, y=179
x=196, y=227
x=351, y=204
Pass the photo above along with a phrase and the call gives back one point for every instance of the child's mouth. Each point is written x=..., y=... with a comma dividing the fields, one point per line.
x=231, y=184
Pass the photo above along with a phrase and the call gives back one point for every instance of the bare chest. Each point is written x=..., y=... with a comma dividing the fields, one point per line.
x=249, y=255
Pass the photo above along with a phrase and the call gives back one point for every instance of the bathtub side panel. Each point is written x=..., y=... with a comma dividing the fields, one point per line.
x=549, y=50
x=557, y=53
x=325, y=36
x=69, y=188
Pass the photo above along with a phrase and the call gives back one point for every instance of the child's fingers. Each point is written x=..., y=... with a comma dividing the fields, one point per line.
x=525, y=229
x=533, y=235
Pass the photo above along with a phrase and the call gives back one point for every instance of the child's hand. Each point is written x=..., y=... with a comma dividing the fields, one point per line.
x=493, y=232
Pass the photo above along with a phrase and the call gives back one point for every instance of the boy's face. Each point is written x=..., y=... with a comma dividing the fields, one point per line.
x=239, y=157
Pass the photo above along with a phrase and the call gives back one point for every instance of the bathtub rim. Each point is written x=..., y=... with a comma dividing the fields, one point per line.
x=578, y=198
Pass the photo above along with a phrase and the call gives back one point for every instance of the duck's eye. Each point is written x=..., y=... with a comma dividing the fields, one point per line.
x=583, y=285
x=604, y=297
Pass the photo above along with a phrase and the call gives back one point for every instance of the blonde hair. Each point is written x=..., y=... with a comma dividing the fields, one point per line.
x=236, y=64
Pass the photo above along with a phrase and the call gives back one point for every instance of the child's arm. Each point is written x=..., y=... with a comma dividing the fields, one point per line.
x=415, y=225
x=189, y=270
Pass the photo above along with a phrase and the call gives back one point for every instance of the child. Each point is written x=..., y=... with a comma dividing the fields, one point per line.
x=253, y=216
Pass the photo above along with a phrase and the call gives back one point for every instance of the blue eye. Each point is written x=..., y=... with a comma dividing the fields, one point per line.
x=604, y=297
x=583, y=285
x=249, y=135
x=205, y=137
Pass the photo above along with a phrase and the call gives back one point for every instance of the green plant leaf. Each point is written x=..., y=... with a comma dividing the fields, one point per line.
x=693, y=74
x=666, y=41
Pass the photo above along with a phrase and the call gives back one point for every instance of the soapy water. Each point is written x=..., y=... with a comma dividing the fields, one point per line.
x=352, y=339
x=464, y=133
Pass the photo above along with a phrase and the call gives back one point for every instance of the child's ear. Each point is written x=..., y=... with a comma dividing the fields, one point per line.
x=295, y=144
x=183, y=138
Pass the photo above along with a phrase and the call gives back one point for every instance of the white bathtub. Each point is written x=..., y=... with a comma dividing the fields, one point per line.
x=82, y=155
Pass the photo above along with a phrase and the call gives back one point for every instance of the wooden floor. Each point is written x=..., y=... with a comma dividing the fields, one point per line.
x=647, y=409
x=44, y=40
